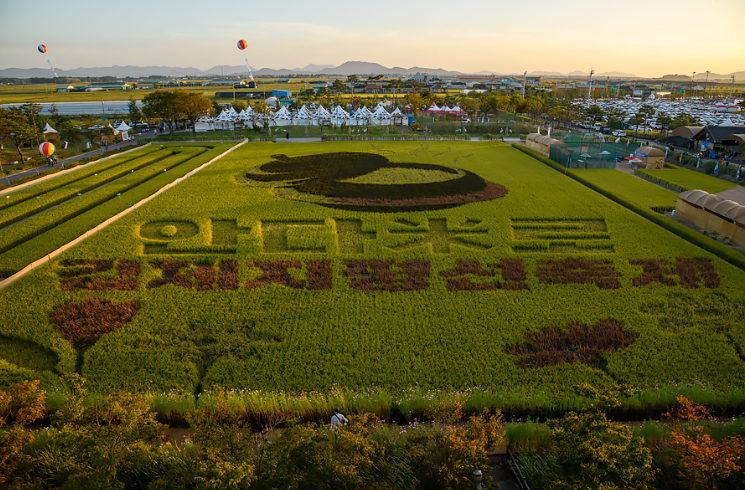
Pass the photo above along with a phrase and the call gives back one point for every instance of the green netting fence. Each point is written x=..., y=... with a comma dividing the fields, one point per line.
x=588, y=151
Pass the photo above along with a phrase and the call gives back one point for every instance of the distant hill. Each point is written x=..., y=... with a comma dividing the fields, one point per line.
x=345, y=69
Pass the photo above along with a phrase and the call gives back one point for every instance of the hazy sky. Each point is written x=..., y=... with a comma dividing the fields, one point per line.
x=644, y=37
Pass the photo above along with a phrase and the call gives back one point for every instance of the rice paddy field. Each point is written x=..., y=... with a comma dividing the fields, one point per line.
x=393, y=267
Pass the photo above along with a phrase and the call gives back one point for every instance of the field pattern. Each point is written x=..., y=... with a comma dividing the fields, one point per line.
x=223, y=282
x=41, y=218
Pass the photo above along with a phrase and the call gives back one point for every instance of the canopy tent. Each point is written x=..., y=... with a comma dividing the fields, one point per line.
x=434, y=108
x=49, y=129
x=204, y=123
x=381, y=117
x=122, y=127
x=322, y=114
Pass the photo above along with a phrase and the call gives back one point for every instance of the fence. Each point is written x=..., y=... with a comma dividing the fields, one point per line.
x=583, y=151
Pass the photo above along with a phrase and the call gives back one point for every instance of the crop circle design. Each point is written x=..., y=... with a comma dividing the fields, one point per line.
x=344, y=180
x=168, y=230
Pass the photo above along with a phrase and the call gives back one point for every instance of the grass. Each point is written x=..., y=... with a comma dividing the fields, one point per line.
x=684, y=179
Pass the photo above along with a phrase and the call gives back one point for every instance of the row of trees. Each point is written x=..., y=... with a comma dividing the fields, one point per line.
x=173, y=105
x=114, y=442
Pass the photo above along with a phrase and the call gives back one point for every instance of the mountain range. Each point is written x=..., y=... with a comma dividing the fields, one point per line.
x=345, y=69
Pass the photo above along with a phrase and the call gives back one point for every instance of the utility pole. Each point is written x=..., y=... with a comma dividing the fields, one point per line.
x=690, y=96
x=589, y=87
x=523, y=91
x=732, y=87
x=706, y=83
x=607, y=81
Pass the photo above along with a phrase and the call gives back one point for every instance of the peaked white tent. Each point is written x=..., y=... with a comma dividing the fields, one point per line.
x=381, y=117
x=283, y=117
x=49, y=130
x=339, y=116
x=304, y=117
x=204, y=123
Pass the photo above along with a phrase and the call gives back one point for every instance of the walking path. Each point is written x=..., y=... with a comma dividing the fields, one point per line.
x=136, y=140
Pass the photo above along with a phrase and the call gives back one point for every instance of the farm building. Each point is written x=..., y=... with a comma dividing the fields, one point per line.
x=541, y=143
x=722, y=213
x=683, y=135
x=96, y=86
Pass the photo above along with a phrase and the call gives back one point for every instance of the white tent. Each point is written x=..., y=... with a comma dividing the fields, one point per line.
x=283, y=117
x=122, y=127
x=204, y=123
x=434, y=108
x=322, y=116
x=304, y=117
x=381, y=117
x=339, y=116
x=398, y=117
x=49, y=129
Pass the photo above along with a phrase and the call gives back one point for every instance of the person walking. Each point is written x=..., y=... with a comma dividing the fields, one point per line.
x=338, y=419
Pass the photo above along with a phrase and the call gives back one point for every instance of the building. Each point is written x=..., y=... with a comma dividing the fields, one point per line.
x=97, y=86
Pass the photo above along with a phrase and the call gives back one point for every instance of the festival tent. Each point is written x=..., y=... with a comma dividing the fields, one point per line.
x=381, y=117
x=283, y=117
x=398, y=117
x=434, y=108
x=204, y=123
x=122, y=128
x=339, y=116
x=457, y=110
x=304, y=117
x=361, y=117
x=322, y=115
x=223, y=121
x=49, y=130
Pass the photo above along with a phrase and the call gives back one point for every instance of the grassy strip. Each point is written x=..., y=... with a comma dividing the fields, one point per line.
x=407, y=405
x=21, y=195
x=686, y=180
x=708, y=244
x=29, y=207
x=42, y=223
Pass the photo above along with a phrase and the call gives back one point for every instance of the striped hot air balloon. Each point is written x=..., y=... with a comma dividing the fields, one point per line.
x=47, y=149
x=42, y=48
x=242, y=44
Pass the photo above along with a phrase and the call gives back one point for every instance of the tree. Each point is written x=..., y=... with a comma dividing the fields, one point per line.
x=594, y=453
x=134, y=112
x=595, y=111
x=702, y=462
x=69, y=132
x=338, y=86
x=415, y=102
x=191, y=106
x=14, y=127
x=23, y=403
x=352, y=79
x=31, y=110
x=683, y=119
x=161, y=104
x=664, y=120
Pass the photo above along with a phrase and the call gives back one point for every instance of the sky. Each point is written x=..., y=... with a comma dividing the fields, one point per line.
x=647, y=38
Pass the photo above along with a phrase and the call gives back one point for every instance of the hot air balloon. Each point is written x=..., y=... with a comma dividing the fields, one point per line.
x=42, y=48
x=242, y=44
x=47, y=149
